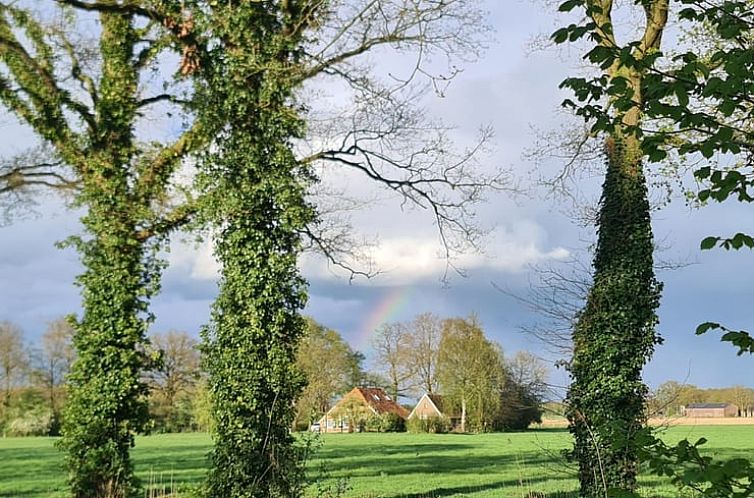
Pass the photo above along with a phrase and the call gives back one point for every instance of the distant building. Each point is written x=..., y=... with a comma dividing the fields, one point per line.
x=710, y=410
x=356, y=407
x=432, y=405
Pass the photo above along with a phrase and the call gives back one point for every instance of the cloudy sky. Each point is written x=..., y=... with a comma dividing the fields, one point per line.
x=515, y=91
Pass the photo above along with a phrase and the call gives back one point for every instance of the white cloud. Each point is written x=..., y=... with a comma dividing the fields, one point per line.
x=404, y=259
x=407, y=259
x=197, y=259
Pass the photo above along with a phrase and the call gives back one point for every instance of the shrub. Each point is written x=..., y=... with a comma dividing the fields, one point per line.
x=387, y=422
x=390, y=422
x=374, y=423
x=434, y=425
x=35, y=423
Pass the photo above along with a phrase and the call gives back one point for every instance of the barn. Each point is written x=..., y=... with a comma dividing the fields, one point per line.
x=710, y=410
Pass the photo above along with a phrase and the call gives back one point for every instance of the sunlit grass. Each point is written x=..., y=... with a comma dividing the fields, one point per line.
x=372, y=465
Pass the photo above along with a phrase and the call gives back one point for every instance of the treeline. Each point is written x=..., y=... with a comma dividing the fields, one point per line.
x=670, y=398
x=34, y=392
x=451, y=357
x=428, y=354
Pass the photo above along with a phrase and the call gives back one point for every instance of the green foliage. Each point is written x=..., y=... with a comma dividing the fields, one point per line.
x=355, y=413
x=690, y=470
x=27, y=414
x=430, y=425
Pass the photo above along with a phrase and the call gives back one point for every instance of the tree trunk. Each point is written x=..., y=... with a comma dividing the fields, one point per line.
x=615, y=336
x=258, y=206
x=463, y=414
x=107, y=396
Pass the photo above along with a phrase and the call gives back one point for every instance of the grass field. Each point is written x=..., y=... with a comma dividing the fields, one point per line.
x=372, y=465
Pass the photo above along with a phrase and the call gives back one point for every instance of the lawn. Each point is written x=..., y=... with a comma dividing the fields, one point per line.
x=371, y=465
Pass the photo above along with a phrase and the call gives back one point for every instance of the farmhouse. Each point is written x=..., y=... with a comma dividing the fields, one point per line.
x=706, y=410
x=431, y=405
x=356, y=407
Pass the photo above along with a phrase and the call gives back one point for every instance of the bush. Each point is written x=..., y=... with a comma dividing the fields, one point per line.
x=432, y=425
x=387, y=422
x=374, y=423
x=390, y=422
x=35, y=423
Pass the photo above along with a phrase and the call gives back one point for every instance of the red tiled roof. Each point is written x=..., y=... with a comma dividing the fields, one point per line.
x=379, y=400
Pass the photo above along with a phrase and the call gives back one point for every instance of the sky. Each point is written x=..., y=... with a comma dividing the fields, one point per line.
x=515, y=89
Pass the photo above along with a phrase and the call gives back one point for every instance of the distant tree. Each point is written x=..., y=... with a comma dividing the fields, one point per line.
x=201, y=408
x=424, y=334
x=372, y=379
x=531, y=373
x=176, y=373
x=666, y=399
x=518, y=407
x=330, y=367
x=52, y=362
x=470, y=371
x=742, y=397
x=357, y=375
x=14, y=359
x=523, y=392
x=392, y=346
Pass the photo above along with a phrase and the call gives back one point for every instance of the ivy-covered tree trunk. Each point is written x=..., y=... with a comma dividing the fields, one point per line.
x=106, y=402
x=259, y=211
x=614, y=335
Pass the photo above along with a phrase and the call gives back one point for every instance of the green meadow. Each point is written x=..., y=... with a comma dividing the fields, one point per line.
x=370, y=465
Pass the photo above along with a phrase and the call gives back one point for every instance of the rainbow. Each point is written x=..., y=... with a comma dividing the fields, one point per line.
x=387, y=309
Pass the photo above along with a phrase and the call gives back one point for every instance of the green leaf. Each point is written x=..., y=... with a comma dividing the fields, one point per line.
x=709, y=243
x=706, y=327
x=569, y=5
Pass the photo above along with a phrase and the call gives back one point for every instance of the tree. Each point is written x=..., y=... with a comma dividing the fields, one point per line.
x=177, y=372
x=615, y=333
x=53, y=362
x=330, y=366
x=518, y=407
x=530, y=373
x=668, y=398
x=470, y=371
x=391, y=344
x=13, y=359
x=424, y=344
x=84, y=99
x=357, y=375
x=742, y=397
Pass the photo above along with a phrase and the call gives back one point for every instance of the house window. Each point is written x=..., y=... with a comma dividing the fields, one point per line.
x=376, y=397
